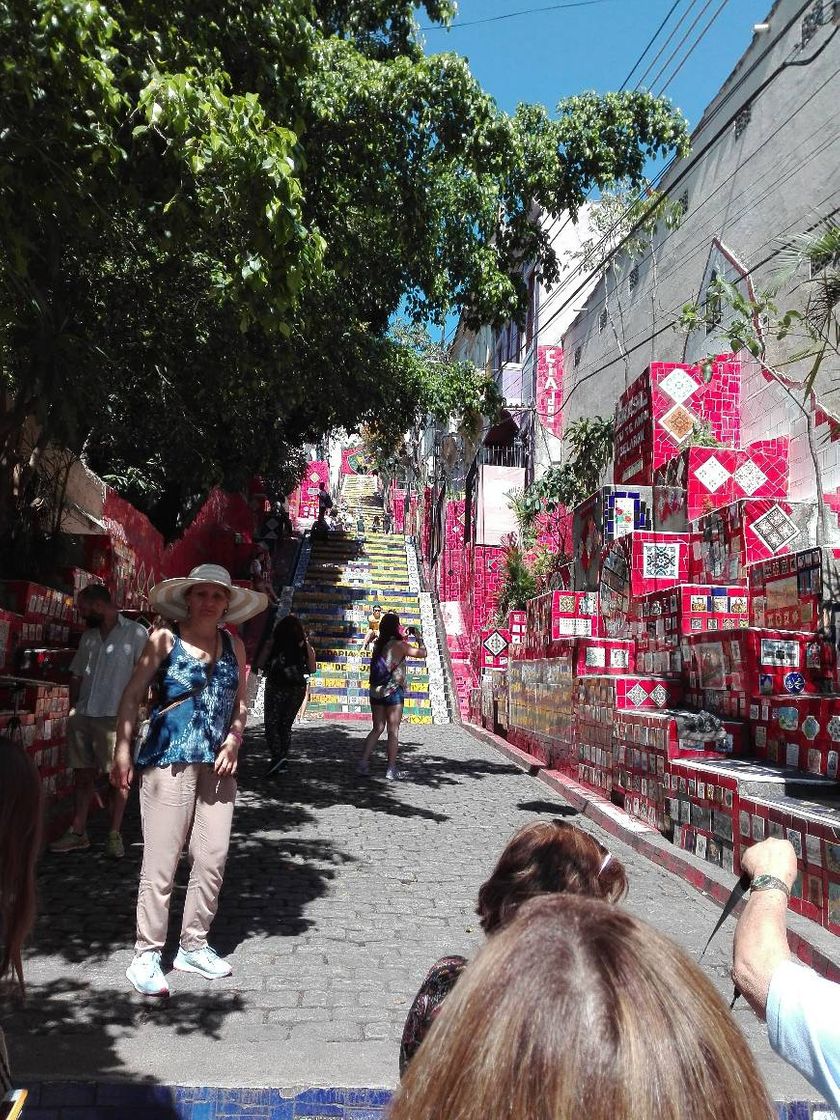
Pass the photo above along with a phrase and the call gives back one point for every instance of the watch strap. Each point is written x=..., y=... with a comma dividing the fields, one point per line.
x=769, y=883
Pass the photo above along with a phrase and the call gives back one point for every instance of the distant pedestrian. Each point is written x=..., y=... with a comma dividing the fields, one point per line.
x=324, y=503
x=360, y=526
x=20, y=842
x=387, y=688
x=187, y=760
x=107, y=653
x=387, y=521
x=374, y=619
x=282, y=512
x=377, y=524
x=261, y=572
x=290, y=659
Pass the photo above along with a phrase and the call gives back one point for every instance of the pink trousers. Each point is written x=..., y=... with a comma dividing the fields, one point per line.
x=177, y=802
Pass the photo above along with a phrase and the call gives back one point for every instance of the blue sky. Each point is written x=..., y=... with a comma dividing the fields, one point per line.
x=549, y=55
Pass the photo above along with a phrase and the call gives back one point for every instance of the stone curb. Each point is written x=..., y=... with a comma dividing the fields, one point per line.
x=812, y=945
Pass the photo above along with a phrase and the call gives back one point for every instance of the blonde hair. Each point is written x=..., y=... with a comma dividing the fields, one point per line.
x=576, y=1008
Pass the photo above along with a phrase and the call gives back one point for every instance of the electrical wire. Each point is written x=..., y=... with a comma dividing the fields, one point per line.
x=692, y=48
x=690, y=165
x=664, y=46
x=649, y=44
x=704, y=123
x=669, y=325
x=678, y=47
x=515, y=15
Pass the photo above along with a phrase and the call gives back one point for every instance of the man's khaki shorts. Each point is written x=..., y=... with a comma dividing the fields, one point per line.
x=91, y=741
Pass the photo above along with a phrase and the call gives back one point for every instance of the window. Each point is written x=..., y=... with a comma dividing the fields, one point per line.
x=812, y=21
x=742, y=120
x=602, y=321
x=713, y=309
x=577, y=356
x=633, y=278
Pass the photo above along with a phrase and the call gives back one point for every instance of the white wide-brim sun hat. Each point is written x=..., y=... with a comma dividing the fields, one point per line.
x=168, y=597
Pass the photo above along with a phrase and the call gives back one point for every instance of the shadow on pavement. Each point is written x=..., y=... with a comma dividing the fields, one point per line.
x=85, y=1023
x=555, y=807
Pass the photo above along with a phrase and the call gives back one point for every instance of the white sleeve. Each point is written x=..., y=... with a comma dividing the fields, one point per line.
x=803, y=1024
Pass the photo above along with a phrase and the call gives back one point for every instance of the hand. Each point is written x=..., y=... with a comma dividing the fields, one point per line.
x=122, y=771
x=771, y=857
x=227, y=759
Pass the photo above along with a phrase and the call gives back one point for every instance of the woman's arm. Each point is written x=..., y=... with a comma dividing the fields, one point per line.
x=413, y=649
x=311, y=660
x=157, y=648
x=227, y=759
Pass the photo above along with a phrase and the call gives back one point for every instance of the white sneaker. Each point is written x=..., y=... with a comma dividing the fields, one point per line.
x=392, y=774
x=205, y=961
x=146, y=975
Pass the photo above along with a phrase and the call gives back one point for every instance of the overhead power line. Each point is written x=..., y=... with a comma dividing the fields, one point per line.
x=514, y=15
x=693, y=47
x=664, y=47
x=649, y=44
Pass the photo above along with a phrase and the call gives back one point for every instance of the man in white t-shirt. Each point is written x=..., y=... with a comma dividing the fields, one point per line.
x=802, y=1009
x=101, y=669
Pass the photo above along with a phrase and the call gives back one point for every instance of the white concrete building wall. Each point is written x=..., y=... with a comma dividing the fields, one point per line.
x=764, y=166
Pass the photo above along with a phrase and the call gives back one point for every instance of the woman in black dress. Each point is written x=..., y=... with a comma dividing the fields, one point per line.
x=289, y=661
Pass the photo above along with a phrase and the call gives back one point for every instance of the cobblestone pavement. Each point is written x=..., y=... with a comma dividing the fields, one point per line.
x=339, y=894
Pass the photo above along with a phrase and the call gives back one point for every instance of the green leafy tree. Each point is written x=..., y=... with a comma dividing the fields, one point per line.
x=211, y=215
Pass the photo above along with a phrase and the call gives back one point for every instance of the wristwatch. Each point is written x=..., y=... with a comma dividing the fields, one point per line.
x=769, y=883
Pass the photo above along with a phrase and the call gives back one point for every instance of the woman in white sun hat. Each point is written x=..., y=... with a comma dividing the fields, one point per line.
x=187, y=762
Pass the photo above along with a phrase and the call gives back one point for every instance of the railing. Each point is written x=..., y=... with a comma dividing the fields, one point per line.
x=501, y=457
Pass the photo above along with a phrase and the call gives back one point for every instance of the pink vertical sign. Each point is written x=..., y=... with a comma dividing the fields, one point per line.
x=550, y=388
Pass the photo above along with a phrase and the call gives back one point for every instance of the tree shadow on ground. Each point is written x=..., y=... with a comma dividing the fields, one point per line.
x=79, y=1026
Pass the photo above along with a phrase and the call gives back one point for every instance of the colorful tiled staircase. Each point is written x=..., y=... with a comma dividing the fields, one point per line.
x=347, y=575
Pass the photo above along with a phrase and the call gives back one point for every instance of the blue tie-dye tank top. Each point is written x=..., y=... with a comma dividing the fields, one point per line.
x=194, y=730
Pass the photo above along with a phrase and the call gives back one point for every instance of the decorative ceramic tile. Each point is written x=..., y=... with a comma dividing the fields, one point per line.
x=750, y=477
x=788, y=718
x=566, y=604
x=780, y=652
x=791, y=754
x=775, y=529
x=679, y=423
x=831, y=765
x=494, y=643
x=619, y=658
x=810, y=727
x=624, y=516
x=659, y=696
x=794, y=683
x=660, y=560
x=595, y=657
x=679, y=385
x=712, y=474
x=637, y=695
x=760, y=736
x=833, y=728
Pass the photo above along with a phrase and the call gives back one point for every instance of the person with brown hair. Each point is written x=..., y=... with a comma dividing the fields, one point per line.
x=287, y=664
x=577, y=1008
x=386, y=688
x=544, y=857
x=20, y=842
